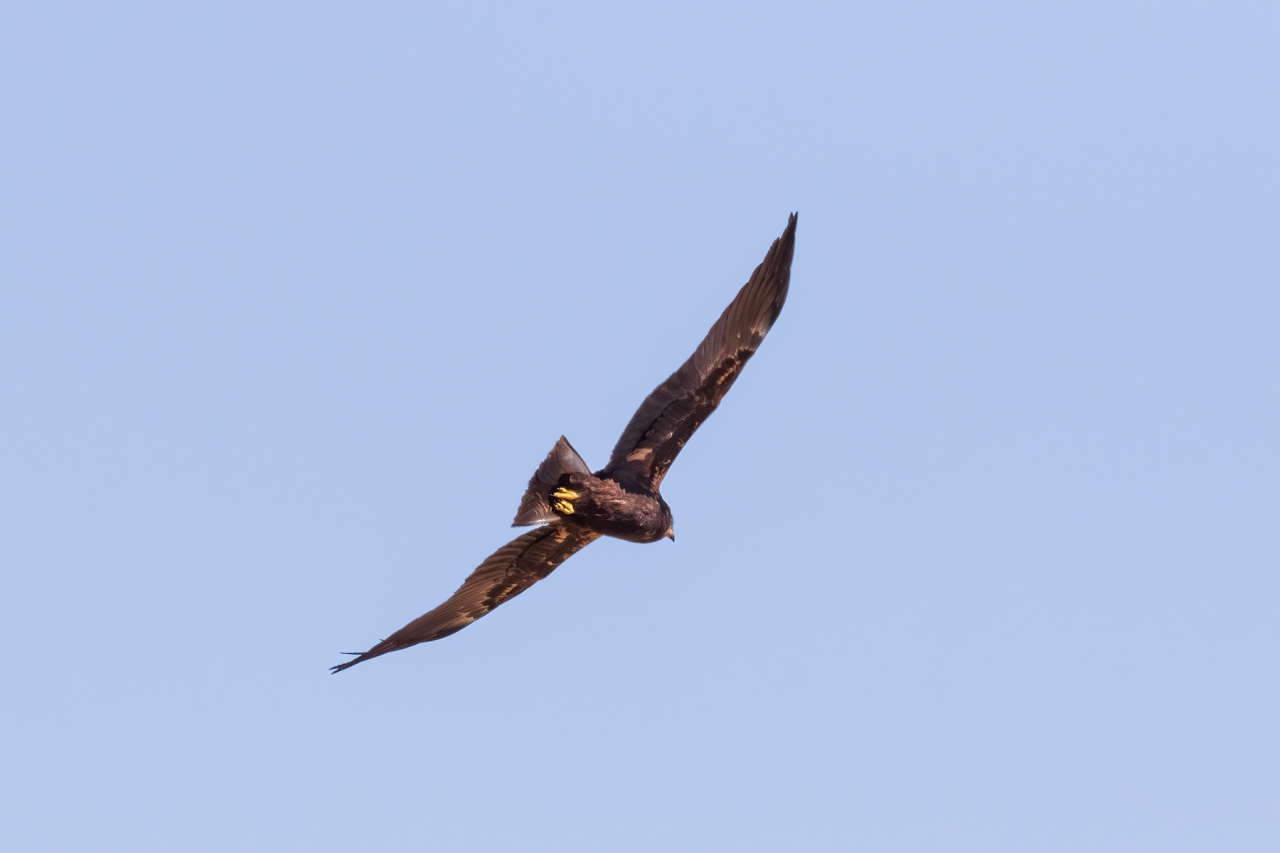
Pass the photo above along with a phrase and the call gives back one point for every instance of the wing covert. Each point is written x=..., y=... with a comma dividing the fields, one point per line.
x=675, y=409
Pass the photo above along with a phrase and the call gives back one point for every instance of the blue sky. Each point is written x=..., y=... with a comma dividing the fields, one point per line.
x=980, y=553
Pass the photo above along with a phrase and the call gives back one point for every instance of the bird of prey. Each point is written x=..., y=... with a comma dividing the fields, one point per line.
x=574, y=506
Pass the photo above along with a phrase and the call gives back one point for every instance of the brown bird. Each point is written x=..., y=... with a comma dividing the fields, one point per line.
x=576, y=507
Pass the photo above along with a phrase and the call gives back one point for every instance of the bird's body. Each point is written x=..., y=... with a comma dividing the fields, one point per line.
x=575, y=506
x=604, y=506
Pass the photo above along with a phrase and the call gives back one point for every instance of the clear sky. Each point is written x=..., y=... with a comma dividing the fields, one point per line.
x=981, y=553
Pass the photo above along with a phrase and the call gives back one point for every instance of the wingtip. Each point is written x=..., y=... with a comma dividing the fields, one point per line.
x=359, y=656
x=783, y=248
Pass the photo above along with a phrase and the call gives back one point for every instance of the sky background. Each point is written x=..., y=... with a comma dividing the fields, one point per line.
x=981, y=553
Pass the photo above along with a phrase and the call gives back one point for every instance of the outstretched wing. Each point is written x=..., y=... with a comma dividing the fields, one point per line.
x=677, y=407
x=509, y=571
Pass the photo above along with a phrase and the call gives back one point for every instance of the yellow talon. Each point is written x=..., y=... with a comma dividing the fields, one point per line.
x=565, y=494
x=564, y=507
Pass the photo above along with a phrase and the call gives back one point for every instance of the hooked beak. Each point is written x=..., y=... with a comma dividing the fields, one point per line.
x=671, y=534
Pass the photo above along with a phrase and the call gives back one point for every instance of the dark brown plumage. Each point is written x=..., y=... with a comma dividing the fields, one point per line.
x=577, y=507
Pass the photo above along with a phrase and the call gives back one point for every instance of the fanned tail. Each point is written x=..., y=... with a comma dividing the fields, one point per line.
x=535, y=506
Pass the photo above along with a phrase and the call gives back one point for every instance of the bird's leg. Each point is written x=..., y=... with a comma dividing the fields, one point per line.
x=564, y=504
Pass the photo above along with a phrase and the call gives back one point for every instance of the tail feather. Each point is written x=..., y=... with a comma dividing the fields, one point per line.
x=535, y=506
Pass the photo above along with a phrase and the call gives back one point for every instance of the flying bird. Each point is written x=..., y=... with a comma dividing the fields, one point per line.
x=574, y=506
